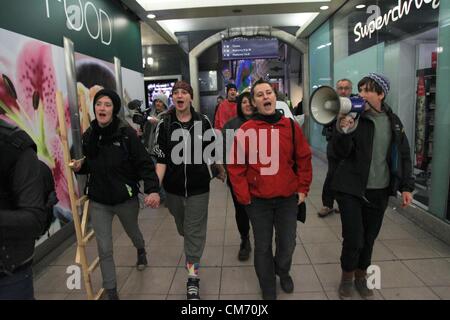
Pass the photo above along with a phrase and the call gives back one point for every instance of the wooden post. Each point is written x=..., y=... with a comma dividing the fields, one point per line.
x=75, y=204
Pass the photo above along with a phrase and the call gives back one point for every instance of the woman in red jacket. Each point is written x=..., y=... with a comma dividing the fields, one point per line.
x=263, y=178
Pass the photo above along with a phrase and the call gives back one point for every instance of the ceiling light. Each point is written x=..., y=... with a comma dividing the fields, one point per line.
x=324, y=7
x=360, y=6
x=151, y=16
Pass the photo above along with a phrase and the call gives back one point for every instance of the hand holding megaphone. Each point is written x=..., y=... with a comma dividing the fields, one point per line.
x=346, y=122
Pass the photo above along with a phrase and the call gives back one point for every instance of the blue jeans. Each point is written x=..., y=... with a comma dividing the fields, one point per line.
x=265, y=214
x=18, y=286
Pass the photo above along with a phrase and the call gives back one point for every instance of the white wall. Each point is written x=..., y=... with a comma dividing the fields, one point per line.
x=424, y=51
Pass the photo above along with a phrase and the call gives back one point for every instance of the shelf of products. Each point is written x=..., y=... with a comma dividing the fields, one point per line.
x=425, y=106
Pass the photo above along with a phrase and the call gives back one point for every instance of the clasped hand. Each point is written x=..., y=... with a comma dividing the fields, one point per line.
x=152, y=200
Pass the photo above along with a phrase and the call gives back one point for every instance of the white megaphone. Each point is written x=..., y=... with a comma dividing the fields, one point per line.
x=325, y=104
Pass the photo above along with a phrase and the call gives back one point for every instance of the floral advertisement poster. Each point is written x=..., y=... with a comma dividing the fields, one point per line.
x=32, y=72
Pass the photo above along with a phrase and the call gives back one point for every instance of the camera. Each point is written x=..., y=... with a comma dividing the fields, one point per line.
x=139, y=116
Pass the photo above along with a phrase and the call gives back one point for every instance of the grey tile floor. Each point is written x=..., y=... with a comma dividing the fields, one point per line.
x=414, y=264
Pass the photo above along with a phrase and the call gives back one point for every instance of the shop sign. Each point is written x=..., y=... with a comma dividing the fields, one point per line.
x=376, y=21
x=79, y=17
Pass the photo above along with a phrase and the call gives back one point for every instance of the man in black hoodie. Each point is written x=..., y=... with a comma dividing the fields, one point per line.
x=186, y=181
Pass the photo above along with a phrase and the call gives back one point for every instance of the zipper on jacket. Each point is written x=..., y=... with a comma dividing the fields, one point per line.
x=185, y=169
x=185, y=165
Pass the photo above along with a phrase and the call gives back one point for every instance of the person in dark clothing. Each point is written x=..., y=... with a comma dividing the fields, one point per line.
x=245, y=110
x=344, y=88
x=298, y=110
x=22, y=214
x=375, y=163
x=50, y=197
x=185, y=177
x=115, y=160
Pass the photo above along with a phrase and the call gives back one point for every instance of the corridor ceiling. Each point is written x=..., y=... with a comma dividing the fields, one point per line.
x=172, y=16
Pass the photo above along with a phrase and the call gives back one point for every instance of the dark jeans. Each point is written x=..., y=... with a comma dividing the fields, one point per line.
x=18, y=286
x=242, y=220
x=265, y=214
x=361, y=223
x=327, y=192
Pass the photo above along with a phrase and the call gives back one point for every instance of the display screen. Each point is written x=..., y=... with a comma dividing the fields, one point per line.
x=154, y=87
x=249, y=48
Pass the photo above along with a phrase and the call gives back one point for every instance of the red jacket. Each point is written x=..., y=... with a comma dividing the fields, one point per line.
x=247, y=179
x=227, y=110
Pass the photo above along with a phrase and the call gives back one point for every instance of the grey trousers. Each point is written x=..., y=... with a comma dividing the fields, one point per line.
x=101, y=218
x=191, y=217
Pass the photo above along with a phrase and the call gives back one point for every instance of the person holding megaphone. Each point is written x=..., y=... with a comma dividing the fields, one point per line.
x=343, y=89
x=374, y=163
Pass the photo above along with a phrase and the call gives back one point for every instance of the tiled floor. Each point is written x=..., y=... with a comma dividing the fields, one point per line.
x=414, y=264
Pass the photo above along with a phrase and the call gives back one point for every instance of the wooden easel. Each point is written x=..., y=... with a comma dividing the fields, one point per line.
x=78, y=204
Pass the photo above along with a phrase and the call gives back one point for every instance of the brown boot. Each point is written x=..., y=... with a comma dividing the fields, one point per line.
x=361, y=284
x=346, y=285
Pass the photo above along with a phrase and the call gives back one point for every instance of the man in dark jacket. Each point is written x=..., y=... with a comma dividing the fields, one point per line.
x=186, y=176
x=344, y=89
x=22, y=215
x=375, y=163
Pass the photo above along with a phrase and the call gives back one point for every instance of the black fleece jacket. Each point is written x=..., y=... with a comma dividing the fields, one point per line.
x=354, y=153
x=186, y=178
x=116, y=161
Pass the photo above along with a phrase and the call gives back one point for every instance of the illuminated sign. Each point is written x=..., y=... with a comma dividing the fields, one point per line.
x=376, y=21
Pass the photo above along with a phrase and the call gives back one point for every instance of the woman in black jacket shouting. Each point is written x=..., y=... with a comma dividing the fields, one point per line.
x=115, y=161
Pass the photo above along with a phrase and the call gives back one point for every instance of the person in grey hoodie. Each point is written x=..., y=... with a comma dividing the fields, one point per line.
x=245, y=110
x=160, y=106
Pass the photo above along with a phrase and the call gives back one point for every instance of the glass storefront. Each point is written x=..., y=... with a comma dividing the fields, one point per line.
x=408, y=41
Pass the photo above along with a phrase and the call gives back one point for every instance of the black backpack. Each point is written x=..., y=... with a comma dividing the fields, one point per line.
x=20, y=141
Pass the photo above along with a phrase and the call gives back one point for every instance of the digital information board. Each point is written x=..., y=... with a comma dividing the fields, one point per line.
x=236, y=49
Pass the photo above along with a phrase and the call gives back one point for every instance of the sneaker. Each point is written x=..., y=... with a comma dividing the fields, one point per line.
x=112, y=294
x=325, y=211
x=193, y=288
x=244, y=251
x=363, y=290
x=141, y=259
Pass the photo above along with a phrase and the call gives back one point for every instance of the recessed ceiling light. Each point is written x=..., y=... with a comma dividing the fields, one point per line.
x=324, y=7
x=151, y=16
x=360, y=6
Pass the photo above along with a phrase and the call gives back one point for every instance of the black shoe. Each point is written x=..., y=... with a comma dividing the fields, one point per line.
x=193, y=289
x=141, y=259
x=269, y=295
x=244, y=250
x=287, y=284
x=112, y=294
